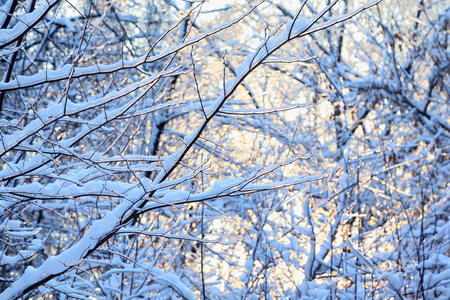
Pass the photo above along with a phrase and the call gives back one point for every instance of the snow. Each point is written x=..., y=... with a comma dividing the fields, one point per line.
x=189, y=138
x=3, y=9
x=45, y=116
x=174, y=196
x=66, y=22
x=69, y=257
x=63, y=73
x=23, y=233
x=299, y=26
x=86, y=181
x=393, y=280
x=10, y=225
x=170, y=160
x=173, y=281
x=66, y=71
x=270, y=44
x=24, y=23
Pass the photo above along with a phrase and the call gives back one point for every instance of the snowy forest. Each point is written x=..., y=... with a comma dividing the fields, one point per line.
x=238, y=149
